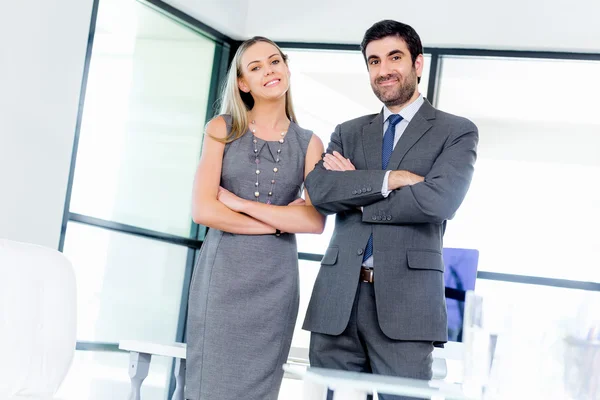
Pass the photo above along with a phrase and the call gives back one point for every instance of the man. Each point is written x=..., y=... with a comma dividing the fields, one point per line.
x=393, y=179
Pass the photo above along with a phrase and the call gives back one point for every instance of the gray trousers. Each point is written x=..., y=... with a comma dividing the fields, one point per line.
x=363, y=347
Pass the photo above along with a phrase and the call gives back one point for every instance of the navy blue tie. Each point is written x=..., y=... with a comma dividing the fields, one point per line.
x=386, y=153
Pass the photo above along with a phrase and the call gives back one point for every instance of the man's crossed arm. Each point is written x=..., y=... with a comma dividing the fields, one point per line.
x=336, y=185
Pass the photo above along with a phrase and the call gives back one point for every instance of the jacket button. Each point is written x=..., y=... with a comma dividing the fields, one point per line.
x=389, y=217
x=359, y=252
x=374, y=218
x=379, y=218
x=364, y=190
x=369, y=188
x=354, y=192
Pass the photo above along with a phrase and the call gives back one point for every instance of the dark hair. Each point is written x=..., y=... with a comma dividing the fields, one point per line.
x=388, y=27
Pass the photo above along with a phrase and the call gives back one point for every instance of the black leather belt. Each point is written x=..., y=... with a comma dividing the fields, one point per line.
x=366, y=275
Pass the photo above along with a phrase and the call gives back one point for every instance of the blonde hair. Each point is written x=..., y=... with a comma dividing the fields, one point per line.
x=237, y=103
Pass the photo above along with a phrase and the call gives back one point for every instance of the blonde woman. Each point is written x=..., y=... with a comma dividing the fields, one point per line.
x=243, y=298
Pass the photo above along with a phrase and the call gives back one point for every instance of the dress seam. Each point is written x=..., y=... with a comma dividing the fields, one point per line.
x=281, y=343
x=206, y=320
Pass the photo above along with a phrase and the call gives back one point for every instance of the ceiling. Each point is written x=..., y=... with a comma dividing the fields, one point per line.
x=543, y=25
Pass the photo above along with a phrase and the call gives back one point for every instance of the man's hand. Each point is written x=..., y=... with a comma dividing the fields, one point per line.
x=399, y=179
x=337, y=162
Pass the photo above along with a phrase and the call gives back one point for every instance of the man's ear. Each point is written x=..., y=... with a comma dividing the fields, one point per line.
x=419, y=63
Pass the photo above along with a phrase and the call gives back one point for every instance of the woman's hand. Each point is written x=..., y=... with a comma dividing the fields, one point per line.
x=232, y=201
x=298, y=202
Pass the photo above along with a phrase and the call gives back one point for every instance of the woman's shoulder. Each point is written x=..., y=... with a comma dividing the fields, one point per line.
x=305, y=135
x=219, y=126
x=308, y=140
x=221, y=120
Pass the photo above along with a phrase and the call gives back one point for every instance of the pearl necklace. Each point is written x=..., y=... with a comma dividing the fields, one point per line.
x=257, y=162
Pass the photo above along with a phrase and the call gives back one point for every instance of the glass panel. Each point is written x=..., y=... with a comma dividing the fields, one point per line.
x=308, y=274
x=102, y=375
x=291, y=389
x=330, y=87
x=143, y=119
x=531, y=305
x=532, y=322
x=532, y=208
x=127, y=287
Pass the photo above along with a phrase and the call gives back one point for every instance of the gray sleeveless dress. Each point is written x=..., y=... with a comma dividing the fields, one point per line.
x=243, y=299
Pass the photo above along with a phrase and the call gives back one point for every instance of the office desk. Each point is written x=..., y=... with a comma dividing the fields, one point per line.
x=356, y=386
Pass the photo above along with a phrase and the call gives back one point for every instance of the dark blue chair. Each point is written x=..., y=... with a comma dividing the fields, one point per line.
x=459, y=276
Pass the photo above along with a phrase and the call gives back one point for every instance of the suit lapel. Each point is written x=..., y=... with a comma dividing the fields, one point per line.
x=372, y=138
x=413, y=132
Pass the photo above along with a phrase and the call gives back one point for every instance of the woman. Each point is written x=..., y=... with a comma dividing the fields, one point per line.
x=243, y=298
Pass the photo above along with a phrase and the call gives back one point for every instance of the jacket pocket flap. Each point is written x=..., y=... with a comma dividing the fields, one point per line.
x=330, y=256
x=425, y=259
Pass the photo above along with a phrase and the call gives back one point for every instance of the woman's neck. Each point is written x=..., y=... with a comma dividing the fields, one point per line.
x=270, y=115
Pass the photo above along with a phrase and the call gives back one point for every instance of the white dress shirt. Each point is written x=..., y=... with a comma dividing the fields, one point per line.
x=407, y=114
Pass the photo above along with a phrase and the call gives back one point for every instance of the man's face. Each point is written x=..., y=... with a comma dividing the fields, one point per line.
x=392, y=72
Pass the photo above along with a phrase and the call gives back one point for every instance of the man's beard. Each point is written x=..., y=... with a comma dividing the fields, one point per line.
x=398, y=95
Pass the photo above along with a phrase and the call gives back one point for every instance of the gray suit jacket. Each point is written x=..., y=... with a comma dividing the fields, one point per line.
x=407, y=226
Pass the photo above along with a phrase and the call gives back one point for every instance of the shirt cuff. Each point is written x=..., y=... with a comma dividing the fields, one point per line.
x=384, y=188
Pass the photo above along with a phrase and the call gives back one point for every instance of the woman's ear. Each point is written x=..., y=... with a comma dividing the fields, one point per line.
x=243, y=85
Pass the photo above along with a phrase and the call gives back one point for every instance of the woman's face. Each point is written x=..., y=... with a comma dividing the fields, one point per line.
x=265, y=74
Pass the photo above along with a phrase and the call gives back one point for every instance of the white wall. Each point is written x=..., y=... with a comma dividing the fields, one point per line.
x=509, y=24
x=42, y=54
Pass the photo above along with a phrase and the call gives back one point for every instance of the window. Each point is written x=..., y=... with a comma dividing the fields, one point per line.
x=144, y=115
x=147, y=95
x=532, y=208
x=128, y=287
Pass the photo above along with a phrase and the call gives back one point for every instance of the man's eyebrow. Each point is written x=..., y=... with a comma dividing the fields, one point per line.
x=395, y=51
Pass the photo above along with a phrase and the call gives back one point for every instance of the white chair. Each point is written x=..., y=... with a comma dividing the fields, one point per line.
x=37, y=320
x=140, y=356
